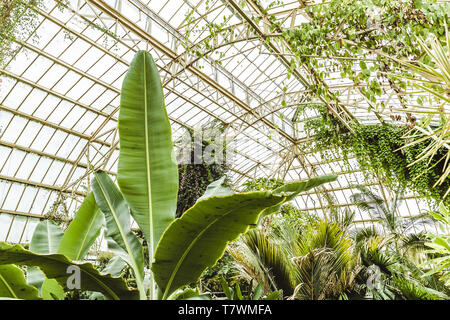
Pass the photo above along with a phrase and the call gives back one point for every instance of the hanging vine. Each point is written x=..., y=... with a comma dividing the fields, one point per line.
x=380, y=150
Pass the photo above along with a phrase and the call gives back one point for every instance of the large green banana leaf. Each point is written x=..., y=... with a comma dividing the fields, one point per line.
x=13, y=284
x=82, y=231
x=147, y=170
x=46, y=239
x=199, y=238
x=52, y=290
x=118, y=224
x=114, y=266
x=55, y=267
x=292, y=189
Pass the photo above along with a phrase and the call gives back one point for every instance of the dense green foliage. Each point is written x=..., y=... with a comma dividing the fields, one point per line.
x=282, y=251
x=196, y=175
x=262, y=184
x=179, y=250
x=16, y=19
x=342, y=30
x=377, y=150
x=331, y=259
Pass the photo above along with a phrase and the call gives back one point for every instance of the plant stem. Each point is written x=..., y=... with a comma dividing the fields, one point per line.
x=140, y=285
x=151, y=278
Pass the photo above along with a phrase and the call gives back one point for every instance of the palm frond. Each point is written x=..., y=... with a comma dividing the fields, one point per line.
x=343, y=218
x=273, y=257
x=316, y=273
x=433, y=80
x=249, y=266
x=414, y=290
x=324, y=257
x=369, y=202
x=374, y=252
x=362, y=235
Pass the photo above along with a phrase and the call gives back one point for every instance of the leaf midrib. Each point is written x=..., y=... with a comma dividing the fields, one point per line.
x=49, y=238
x=147, y=164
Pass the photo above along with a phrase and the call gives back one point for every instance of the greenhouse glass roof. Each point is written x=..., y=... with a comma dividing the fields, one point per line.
x=60, y=96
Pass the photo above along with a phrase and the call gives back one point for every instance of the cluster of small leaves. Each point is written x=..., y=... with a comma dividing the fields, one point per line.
x=326, y=129
x=377, y=149
x=294, y=217
x=217, y=28
x=380, y=150
x=224, y=268
x=374, y=146
x=288, y=213
x=103, y=259
x=193, y=180
x=214, y=28
x=262, y=184
x=58, y=212
x=18, y=19
x=109, y=37
x=357, y=38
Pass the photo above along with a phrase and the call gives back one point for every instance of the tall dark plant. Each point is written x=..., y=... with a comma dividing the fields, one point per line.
x=195, y=175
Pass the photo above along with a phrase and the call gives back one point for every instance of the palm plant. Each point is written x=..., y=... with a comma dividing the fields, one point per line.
x=385, y=214
x=396, y=252
x=432, y=79
x=325, y=263
x=263, y=258
x=314, y=263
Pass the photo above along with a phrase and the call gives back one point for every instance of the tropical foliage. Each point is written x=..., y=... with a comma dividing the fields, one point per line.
x=179, y=250
x=16, y=19
x=193, y=172
x=332, y=258
x=440, y=247
x=197, y=235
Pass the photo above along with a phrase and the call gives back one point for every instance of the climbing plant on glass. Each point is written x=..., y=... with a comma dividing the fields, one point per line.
x=17, y=19
x=359, y=39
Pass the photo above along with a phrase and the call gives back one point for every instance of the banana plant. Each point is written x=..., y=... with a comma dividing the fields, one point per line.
x=180, y=249
x=147, y=170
